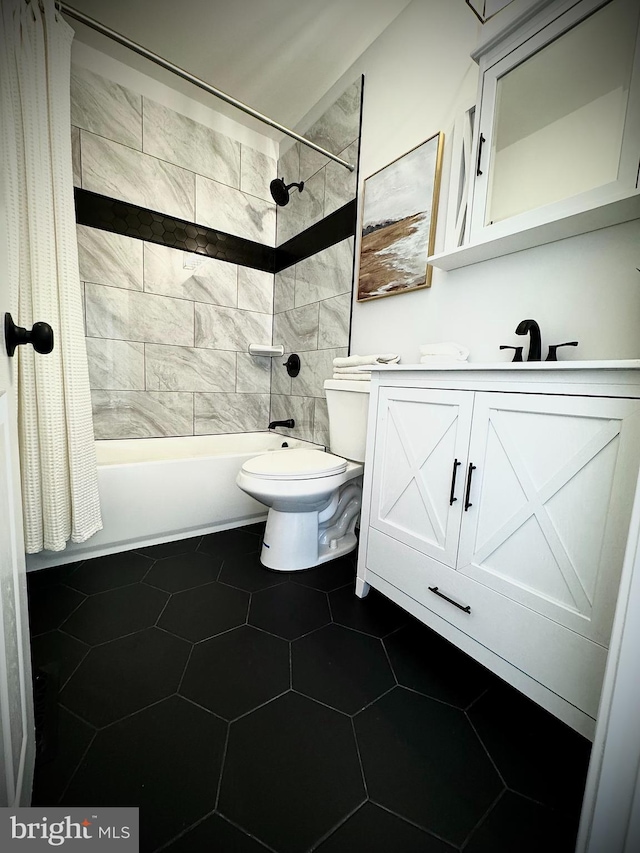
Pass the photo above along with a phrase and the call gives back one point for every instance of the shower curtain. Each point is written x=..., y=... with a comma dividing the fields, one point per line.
x=57, y=452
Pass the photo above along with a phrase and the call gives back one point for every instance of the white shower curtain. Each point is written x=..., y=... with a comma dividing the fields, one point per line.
x=57, y=451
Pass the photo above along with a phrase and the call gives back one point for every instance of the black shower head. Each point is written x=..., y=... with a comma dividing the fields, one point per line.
x=280, y=191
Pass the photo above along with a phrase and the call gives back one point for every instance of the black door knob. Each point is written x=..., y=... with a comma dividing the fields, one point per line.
x=40, y=336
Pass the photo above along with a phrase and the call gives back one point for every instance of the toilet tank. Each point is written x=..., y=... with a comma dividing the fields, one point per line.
x=348, y=405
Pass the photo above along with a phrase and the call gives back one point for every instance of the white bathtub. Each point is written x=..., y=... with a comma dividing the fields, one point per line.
x=159, y=489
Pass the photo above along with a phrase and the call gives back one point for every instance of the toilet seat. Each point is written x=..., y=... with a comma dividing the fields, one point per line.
x=294, y=465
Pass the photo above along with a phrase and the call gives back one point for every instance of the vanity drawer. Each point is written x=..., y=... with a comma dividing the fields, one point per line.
x=565, y=662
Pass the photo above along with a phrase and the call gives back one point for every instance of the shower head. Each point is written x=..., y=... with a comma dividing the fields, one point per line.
x=280, y=191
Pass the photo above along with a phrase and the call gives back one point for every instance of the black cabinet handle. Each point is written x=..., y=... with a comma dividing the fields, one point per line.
x=467, y=502
x=435, y=589
x=40, y=337
x=480, y=144
x=453, y=481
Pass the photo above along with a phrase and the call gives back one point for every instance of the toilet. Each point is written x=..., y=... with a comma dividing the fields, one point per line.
x=314, y=497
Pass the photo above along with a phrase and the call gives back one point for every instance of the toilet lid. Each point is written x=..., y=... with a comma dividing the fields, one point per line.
x=294, y=465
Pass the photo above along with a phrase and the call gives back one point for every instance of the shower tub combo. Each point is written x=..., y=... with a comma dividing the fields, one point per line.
x=160, y=489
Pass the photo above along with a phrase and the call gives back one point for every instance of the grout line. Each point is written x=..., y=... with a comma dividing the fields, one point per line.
x=76, y=668
x=393, y=672
x=410, y=822
x=184, y=671
x=223, y=761
x=77, y=767
x=482, y=744
x=262, y=705
x=335, y=828
x=482, y=820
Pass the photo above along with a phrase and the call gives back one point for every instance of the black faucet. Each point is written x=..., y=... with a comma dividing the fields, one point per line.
x=531, y=328
x=289, y=424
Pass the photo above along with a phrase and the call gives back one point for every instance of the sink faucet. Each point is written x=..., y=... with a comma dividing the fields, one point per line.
x=535, y=348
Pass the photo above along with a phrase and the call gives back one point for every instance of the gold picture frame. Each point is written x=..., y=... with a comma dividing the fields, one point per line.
x=399, y=215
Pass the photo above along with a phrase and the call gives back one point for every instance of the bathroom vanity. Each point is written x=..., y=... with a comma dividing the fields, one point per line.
x=496, y=506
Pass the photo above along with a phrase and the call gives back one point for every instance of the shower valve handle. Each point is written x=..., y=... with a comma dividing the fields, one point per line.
x=40, y=336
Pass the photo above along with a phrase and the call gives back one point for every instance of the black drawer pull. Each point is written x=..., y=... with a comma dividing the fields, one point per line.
x=453, y=481
x=467, y=502
x=435, y=589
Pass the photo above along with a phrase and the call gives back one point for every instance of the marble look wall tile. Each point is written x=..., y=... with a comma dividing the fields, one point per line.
x=289, y=163
x=321, y=422
x=298, y=408
x=211, y=281
x=235, y=212
x=219, y=413
x=255, y=290
x=309, y=204
x=287, y=223
x=132, y=316
x=340, y=184
x=76, y=160
x=297, y=330
x=170, y=368
x=105, y=108
x=106, y=258
x=230, y=329
x=187, y=143
x=119, y=172
x=280, y=379
x=253, y=374
x=316, y=366
x=284, y=290
x=334, y=130
x=141, y=414
x=326, y=274
x=115, y=365
x=256, y=172
x=333, y=329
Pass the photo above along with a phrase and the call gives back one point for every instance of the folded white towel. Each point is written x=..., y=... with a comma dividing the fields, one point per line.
x=363, y=375
x=447, y=351
x=356, y=360
x=365, y=368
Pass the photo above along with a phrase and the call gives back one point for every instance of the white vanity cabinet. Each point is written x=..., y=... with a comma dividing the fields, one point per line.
x=496, y=508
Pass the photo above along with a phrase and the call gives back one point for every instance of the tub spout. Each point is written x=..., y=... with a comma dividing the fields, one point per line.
x=289, y=424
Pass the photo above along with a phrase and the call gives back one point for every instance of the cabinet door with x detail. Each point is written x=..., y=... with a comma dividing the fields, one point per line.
x=550, y=501
x=422, y=439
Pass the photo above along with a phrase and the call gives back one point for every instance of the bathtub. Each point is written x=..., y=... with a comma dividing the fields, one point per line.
x=156, y=490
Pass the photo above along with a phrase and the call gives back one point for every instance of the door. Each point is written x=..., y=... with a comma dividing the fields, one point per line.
x=421, y=452
x=551, y=498
x=17, y=733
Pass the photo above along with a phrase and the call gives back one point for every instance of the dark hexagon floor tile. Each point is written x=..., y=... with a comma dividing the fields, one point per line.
x=51, y=778
x=109, y=572
x=123, y=676
x=291, y=773
x=49, y=607
x=170, y=549
x=245, y=571
x=166, y=760
x=374, y=830
x=424, y=661
x=423, y=761
x=197, y=614
x=237, y=671
x=109, y=615
x=537, y=754
x=375, y=614
x=184, y=571
x=516, y=823
x=229, y=543
x=215, y=834
x=328, y=576
x=257, y=529
x=58, y=650
x=289, y=610
x=50, y=577
x=341, y=668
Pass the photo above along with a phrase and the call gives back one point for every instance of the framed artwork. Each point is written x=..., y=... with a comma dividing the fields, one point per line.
x=399, y=222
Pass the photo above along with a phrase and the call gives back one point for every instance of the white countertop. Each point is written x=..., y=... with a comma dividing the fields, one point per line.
x=621, y=364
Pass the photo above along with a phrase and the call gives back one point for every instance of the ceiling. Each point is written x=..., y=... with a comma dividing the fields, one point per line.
x=277, y=56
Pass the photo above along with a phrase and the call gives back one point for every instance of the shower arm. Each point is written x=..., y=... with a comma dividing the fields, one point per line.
x=180, y=72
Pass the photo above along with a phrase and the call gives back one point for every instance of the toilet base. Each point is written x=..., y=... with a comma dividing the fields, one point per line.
x=294, y=541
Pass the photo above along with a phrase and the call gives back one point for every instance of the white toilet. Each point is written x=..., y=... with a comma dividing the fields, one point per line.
x=314, y=497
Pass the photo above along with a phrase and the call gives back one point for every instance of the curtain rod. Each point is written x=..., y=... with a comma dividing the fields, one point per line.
x=180, y=72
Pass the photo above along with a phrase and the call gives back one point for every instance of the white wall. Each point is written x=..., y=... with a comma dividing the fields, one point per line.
x=418, y=77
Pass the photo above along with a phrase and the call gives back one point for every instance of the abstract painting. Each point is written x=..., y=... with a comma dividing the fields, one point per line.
x=399, y=222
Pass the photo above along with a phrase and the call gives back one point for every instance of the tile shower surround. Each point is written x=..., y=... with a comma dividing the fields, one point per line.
x=167, y=346
x=278, y=712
